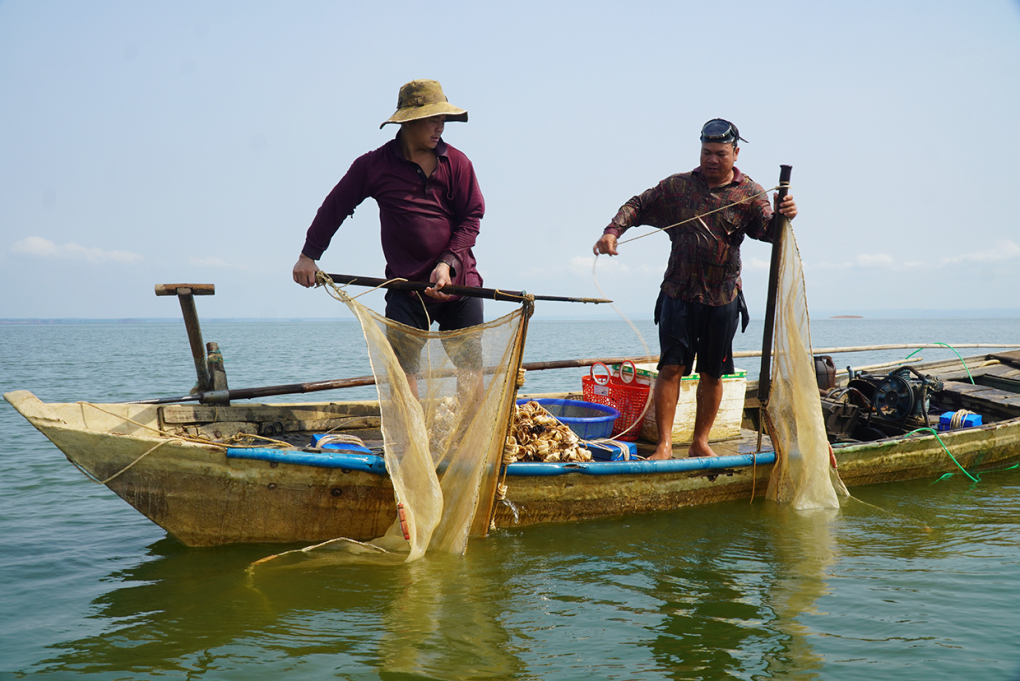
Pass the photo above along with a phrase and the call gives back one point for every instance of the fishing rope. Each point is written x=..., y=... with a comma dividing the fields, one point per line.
x=946, y=476
x=649, y=398
x=340, y=439
x=924, y=525
x=946, y=345
x=250, y=570
x=170, y=437
x=324, y=280
x=595, y=279
x=943, y=444
x=184, y=438
x=958, y=417
x=699, y=216
x=96, y=480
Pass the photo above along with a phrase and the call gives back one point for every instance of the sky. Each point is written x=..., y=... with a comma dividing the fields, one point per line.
x=148, y=143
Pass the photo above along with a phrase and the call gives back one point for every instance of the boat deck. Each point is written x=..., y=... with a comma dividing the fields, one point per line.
x=747, y=443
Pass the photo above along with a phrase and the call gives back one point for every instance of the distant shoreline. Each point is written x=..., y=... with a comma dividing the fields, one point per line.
x=870, y=316
x=170, y=320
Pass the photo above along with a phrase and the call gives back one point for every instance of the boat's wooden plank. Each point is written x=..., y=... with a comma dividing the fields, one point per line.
x=219, y=431
x=984, y=400
x=1010, y=358
x=259, y=413
x=1006, y=383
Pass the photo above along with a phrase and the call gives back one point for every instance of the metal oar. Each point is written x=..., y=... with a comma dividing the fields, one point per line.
x=471, y=291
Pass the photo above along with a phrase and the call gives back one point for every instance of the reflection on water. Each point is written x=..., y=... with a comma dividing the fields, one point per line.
x=185, y=607
x=733, y=604
x=748, y=591
x=805, y=550
x=736, y=590
x=444, y=621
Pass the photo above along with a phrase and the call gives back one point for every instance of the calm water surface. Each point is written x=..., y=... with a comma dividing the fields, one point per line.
x=910, y=581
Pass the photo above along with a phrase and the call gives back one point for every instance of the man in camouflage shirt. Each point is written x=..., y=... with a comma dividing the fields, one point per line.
x=700, y=299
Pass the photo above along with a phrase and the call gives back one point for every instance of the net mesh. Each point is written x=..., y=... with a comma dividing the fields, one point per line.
x=445, y=399
x=443, y=423
x=802, y=475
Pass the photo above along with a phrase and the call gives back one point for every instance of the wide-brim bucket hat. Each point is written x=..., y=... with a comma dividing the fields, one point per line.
x=424, y=99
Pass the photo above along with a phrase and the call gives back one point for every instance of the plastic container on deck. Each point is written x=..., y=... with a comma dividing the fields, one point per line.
x=587, y=420
x=964, y=419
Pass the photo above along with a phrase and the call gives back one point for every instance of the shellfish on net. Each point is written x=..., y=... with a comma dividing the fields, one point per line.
x=536, y=435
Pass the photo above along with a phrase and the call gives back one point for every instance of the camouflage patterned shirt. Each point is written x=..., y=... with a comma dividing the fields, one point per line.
x=704, y=262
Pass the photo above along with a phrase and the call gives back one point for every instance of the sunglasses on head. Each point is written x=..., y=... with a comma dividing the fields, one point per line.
x=719, y=130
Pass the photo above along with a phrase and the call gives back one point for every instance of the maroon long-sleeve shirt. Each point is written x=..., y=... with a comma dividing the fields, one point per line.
x=423, y=219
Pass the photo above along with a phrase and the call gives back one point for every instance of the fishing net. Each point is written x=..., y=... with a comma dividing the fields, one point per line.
x=443, y=425
x=802, y=475
x=445, y=399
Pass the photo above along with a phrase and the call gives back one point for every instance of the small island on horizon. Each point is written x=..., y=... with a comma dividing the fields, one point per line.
x=846, y=316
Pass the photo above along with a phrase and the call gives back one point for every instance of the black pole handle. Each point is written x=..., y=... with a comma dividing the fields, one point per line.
x=765, y=374
x=470, y=291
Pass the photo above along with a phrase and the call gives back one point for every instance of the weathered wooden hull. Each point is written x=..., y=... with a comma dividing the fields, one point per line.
x=574, y=496
x=577, y=496
x=202, y=497
x=205, y=494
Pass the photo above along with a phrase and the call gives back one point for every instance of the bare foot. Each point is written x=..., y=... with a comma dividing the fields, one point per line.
x=697, y=450
x=662, y=452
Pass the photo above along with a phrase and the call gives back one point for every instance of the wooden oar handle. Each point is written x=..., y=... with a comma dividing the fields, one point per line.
x=185, y=289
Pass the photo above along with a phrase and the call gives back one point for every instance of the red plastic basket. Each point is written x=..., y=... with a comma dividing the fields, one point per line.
x=624, y=394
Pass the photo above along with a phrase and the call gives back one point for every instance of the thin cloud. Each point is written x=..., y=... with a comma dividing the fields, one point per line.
x=875, y=261
x=1003, y=250
x=44, y=248
x=755, y=265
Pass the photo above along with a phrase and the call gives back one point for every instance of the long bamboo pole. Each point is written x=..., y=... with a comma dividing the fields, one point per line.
x=895, y=346
x=357, y=381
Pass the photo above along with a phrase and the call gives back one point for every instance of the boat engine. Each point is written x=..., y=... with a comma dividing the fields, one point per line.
x=898, y=394
x=870, y=401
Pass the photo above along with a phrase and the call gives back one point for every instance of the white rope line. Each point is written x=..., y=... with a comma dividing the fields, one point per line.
x=701, y=215
x=641, y=338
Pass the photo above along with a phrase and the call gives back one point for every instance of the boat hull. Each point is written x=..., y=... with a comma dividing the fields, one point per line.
x=205, y=493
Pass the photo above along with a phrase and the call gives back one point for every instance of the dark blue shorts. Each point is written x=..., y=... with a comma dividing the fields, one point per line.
x=455, y=314
x=689, y=330
x=452, y=315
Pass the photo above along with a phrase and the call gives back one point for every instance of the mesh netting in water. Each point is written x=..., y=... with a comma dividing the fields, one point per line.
x=446, y=398
x=443, y=425
x=802, y=475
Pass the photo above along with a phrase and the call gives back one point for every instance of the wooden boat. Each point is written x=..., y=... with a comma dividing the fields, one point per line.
x=179, y=466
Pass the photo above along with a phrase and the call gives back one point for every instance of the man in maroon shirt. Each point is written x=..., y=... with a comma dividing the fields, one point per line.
x=708, y=212
x=430, y=209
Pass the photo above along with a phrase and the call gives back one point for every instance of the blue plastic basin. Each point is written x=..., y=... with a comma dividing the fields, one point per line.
x=587, y=420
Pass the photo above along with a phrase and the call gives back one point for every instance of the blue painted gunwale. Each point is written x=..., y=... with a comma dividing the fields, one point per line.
x=376, y=464
x=368, y=463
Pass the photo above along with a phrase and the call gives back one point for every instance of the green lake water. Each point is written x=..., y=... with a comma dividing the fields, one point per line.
x=916, y=580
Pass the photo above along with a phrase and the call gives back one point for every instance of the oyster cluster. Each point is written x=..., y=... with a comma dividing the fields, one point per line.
x=536, y=435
